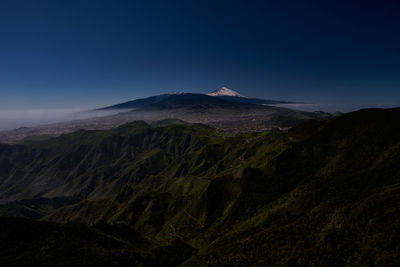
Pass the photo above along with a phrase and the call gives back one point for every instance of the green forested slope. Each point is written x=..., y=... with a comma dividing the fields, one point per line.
x=323, y=193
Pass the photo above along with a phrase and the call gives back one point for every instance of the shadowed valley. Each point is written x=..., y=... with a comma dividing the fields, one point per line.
x=322, y=193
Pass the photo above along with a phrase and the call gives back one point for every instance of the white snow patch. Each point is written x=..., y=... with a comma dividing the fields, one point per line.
x=223, y=91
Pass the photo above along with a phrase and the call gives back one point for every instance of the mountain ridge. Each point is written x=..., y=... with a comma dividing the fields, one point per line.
x=225, y=113
x=321, y=193
x=222, y=93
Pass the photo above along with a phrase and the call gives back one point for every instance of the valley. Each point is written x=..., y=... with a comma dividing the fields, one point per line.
x=225, y=113
x=321, y=193
x=199, y=133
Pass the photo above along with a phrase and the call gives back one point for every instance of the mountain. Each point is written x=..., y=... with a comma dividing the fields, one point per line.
x=34, y=243
x=170, y=100
x=235, y=115
x=164, y=100
x=232, y=96
x=323, y=193
x=255, y=101
x=138, y=103
x=189, y=100
x=223, y=91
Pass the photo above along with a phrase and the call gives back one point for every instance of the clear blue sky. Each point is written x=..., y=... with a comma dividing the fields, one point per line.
x=93, y=53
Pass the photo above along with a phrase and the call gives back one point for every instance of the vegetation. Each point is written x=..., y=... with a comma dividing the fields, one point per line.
x=321, y=194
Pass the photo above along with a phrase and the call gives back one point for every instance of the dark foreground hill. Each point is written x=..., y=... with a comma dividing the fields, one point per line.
x=322, y=194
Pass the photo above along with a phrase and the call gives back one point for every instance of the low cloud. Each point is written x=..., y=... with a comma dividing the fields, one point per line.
x=12, y=119
x=333, y=107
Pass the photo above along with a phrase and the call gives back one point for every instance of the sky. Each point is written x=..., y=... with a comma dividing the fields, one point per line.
x=83, y=54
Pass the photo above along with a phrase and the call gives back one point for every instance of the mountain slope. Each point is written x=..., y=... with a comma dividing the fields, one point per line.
x=223, y=91
x=255, y=101
x=221, y=97
x=323, y=193
x=138, y=103
x=33, y=243
x=232, y=96
x=341, y=205
x=231, y=116
x=168, y=100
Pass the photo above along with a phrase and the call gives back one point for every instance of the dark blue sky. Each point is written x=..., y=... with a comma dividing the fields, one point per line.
x=92, y=53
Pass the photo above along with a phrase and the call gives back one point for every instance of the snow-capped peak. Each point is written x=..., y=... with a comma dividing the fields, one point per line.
x=223, y=91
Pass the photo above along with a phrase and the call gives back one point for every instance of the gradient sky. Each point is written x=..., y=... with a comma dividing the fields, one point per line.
x=57, y=54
